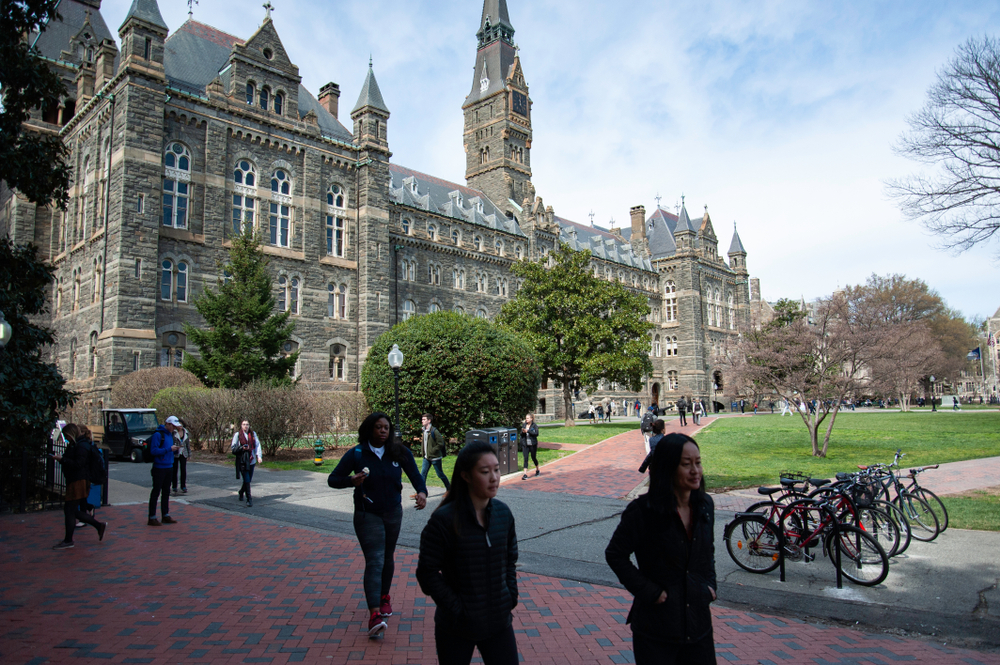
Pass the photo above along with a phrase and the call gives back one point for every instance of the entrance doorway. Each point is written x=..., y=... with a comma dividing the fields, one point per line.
x=655, y=391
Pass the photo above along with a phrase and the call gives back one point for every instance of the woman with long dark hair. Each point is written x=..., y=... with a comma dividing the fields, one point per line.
x=670, y=531
x=374, y=468
x=74, y=462
x=468, y=551
x=246, y=448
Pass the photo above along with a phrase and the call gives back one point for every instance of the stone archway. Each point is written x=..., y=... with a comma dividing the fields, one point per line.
x=655, y=392
x=718, y=388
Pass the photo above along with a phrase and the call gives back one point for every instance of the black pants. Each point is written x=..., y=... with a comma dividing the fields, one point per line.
x=72, y=512
x=161, y=489
x=684, y=421
x=452, y=649
x=377, y=535
x=530, y=450
x=181, y=461
x=654, y=652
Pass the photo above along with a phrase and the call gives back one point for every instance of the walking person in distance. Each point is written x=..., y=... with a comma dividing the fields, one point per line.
x=468, y=552
x=529, y=439
x=246, y=447
x=670, y=530
x=433, y=449
x=75, y=462
x=162, y=448
x=183, y=442
x=682, y=407
x=374, y=468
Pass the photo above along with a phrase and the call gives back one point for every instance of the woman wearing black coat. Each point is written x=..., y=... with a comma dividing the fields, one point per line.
x=670, y=531
x=468, y=551
x=74, y=466
x=529, y=440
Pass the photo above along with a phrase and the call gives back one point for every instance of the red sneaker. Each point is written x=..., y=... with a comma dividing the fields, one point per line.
x=376, y=625
x=385, y=608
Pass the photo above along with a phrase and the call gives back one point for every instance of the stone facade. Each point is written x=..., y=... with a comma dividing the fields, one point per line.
x=183, y=137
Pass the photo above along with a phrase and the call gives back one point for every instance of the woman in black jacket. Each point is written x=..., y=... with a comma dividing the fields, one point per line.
x=670, y=530
x=530, y=442
x=374, y=468
x=74, y=466
x=467, y=555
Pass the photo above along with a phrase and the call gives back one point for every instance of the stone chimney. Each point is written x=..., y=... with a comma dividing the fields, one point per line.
x=84, y=84
x=105, y=63
x=754, y=289
x=329, y=98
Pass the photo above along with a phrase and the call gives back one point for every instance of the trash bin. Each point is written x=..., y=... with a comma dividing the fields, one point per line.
x=504, y=442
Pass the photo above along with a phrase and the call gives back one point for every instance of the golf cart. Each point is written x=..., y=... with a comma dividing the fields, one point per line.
x=128, y=431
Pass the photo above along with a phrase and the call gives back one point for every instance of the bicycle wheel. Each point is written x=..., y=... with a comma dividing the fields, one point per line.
x=899, y=518
x=752, y=542
x=923, y=522
x=936, y=505
x=862, y=559
x=880, y=526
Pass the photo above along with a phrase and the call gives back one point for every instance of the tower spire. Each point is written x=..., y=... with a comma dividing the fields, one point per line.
x=495, y=24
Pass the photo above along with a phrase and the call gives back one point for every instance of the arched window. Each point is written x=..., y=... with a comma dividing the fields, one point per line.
x=607, y=274
x=96, y=291
x=434, y=274
x=671, y=301
x=338, y=362
x=93, y=354
x=435, y=307
x=72, y=359
x=244, y=203
x=459, y=277
x=176, y=185
x=518, y=252
x=459, y=309
x=76, y=289
x=279, y=102
x=406, y=226
x=88, y=182
x=251, y=92
x=335, y=197
x=182, y=279
x=502, y=286
x=672, y=380
x=336, y=303
x=672, y=346
x=456, y=237
x=172, y=349
x=288, y=294
x=432, y=232
x=409, y=309
x=166, y=280
x=336, y=224
x=498, y=245
x=656, y=346
x=481, y=313
x=281, y=215
x=282, y=294
x=732, y=312
x=478, y=242
x=481, y=279
x=265, y=97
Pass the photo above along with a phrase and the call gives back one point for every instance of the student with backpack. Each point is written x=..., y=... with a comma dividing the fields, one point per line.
x=646, y=427
x=78, y=465
x=374, y=468
x=162, y=449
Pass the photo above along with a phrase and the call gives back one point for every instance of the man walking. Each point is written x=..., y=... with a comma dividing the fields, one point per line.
x=682, y=406
x=162, y=448
x=434, y=451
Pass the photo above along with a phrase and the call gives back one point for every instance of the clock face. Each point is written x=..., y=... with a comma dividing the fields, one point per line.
x=519, y=102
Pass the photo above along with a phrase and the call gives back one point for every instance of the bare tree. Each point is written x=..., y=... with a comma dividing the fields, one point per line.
x=957, y=136
x=903, y=368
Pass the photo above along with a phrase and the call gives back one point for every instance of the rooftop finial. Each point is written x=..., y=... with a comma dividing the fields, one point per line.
x=268, y=7
x=369, y=61
x=682, y=200
x=591, y=215
x=657, y=197
x=191, y=4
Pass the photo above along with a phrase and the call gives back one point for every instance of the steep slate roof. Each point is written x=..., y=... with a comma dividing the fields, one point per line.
x=196, y=53
x=448, y=199
x=736, y=247
x=146, y=10
x=495, y=58
x=58, y=34
x=683, y=221
x=497, y=11
x=602, y=244
x=370, y=94
x=660, y=228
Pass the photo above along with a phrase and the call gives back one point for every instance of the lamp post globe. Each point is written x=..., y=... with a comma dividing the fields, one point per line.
x=5, y=331
x=395, y=362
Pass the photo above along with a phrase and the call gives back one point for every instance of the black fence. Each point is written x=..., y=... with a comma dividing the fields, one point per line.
x=29, y=481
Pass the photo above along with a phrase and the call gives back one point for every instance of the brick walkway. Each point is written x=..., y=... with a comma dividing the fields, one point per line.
x=608, y=469
x=220, y=588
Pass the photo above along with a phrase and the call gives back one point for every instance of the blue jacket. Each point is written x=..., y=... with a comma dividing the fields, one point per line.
x=160, y=447
x=382, y=489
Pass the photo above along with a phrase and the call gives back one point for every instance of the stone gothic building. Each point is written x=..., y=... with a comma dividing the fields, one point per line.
x=181, y=138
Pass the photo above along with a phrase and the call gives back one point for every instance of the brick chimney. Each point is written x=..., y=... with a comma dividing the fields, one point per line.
x=329, y=98
x=638, y=214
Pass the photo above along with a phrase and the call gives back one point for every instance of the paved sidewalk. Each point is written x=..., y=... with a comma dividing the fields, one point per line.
x=220, y=588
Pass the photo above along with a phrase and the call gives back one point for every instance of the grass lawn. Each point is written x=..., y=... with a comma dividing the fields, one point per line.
x=978, y=509
x=587, y=434
x=746, y=452
x=328, y=465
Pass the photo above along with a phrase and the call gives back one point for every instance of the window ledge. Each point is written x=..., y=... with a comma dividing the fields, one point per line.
x=337, y=261
x=181, y=234
x=283, y=252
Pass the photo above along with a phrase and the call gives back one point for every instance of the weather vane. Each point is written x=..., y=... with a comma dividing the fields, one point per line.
x=191, y=4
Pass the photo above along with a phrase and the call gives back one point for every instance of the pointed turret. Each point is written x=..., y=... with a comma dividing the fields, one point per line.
x=370, y=114
x=684, y=232
x=143, y=34
x=737, y=254
x=709, y=242
x=495, y=23
x=146, y=10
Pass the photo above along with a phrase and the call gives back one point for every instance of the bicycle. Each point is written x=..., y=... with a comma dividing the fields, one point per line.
x=853, y=498
x=921, y=517
x=930, y=497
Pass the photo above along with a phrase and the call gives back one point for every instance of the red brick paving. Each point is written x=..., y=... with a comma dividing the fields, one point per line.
x=221, y=588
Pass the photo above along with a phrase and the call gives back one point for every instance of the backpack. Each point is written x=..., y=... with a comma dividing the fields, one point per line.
x=647, y=423
x=95, y=465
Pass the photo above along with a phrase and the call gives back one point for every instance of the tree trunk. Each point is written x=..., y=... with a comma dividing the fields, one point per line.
x=829, y=429
x=568, y=405
x=904, y=402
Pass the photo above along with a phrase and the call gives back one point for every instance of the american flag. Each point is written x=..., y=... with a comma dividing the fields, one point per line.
x=992, y=341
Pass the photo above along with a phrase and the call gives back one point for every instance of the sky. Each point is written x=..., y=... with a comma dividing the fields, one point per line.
x=780, y=116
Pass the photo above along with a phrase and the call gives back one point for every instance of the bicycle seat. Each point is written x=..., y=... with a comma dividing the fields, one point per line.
x=843, y=475
x=819, y=482
x=789, y=482
x=863, y=467
x=768, y=491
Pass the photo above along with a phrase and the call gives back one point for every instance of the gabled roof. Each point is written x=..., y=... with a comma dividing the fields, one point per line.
x=58, y=34
x=146, y=10
x=602, y=243
x=195, y=54
x=660, y=233
x=447, y=199
x=736, y=247
x=370, y=94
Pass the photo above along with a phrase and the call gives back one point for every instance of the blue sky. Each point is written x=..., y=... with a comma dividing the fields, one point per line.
x=779, y=115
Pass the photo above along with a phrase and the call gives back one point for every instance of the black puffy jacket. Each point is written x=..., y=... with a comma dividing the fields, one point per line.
x=669, y=562
x=74, y=460
x=471, y=576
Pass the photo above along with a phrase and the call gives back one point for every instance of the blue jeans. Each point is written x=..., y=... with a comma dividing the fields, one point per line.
x=377, y=535
x=425, y=469
x=247, y=477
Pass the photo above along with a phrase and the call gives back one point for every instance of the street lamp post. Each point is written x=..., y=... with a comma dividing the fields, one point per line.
x=5, y=332
x=395, y=362
x=933, y=402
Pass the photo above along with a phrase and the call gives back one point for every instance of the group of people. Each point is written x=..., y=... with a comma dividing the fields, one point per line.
x=468, y=548
x=695, y=406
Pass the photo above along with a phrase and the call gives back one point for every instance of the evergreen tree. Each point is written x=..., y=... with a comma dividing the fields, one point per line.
x=33, y=390
x=583, y=329
x=243, y=337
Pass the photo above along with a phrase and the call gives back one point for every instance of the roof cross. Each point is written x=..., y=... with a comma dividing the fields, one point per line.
x=268, y=7
x=657, y=197
x=191, y=4
x=591, y=215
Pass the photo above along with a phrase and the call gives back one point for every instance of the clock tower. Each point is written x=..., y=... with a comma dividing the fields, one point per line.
x=498, y=115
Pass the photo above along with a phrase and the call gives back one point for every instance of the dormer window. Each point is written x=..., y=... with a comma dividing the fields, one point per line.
x=432, y=232
x=413, y=187
x=484, y=82
x=479, y=243
x=406, y=226
x=251, y=92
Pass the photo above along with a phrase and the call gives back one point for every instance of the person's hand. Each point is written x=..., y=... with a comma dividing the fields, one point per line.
x=358, y=478
x=421, y=501
x=714, y=597
x=175, y=448
x=662, y=599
